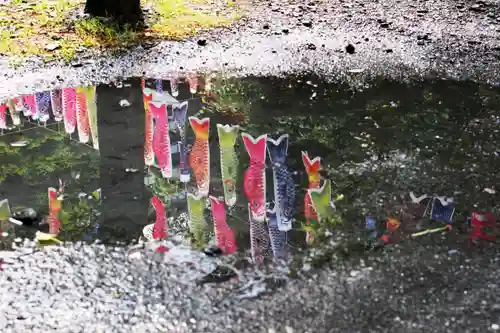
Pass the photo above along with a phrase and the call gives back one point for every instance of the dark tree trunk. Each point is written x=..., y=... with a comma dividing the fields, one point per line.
x=121, y=144
x=123, y=11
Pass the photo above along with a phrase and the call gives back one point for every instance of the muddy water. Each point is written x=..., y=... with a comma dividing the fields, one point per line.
x=377, y=144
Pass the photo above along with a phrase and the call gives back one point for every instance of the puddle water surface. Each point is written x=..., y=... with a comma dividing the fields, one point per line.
x=388, y=160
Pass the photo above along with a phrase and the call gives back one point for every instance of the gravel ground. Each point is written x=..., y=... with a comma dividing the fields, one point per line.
x=428, y=286
x=394, y=38
x=417, y=287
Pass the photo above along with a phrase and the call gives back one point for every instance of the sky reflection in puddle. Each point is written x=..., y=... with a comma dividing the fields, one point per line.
x=176, y=142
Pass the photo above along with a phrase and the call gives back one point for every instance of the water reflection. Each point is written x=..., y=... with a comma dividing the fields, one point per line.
x=240, y=176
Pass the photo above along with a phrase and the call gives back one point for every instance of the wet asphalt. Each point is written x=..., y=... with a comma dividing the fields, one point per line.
x=433, y=285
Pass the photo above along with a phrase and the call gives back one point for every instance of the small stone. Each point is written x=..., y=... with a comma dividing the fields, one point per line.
x=212, y=251
x=311, y=46
x=202, y=42
x=389, y=51
x=52, y=46
x=124, y=103
x=490, y=190
x=350, y=49
x=266, y=26
x=21, y=143
x=285, y=31
x=475, y=8
x=307, y=24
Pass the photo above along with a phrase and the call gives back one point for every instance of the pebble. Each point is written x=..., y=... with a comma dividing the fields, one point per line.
x=124, y=103
x=311, y=46
x=476, y=7
x=350, y=49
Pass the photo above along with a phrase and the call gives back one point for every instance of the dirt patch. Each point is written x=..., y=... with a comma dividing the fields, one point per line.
x=55, y=29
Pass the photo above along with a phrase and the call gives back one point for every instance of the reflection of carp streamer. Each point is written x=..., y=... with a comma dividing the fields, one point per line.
x=223, y=234
x=56, y=102
x=54, y=209
x=254, y=180
x=161, y=139
x=148, y=135
x=277, y=237
x=179, y=112
x=174, y=89
x=193, y=84
x=160, y=230
x=197, y=222
x=14, y=114
x=42, y=106
x=284, y=187
x=90, y=98
x=259, y=241
x=3, y=116
x=82, y=119
x=199, y=159
x=29, y=105
x=312, y=169
x=69, y=109
x=228, y=161
x=159, y=86
x=322, y=200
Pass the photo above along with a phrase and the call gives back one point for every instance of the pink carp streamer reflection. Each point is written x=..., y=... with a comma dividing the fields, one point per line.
x=254, y=183
x=223, y=233
x=160, y=228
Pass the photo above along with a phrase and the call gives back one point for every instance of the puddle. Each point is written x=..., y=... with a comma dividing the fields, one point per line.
x=377, y=145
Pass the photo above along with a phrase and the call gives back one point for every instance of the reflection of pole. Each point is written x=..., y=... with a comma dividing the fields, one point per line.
x=121, y=144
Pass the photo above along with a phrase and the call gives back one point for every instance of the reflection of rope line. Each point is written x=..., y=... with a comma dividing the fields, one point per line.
x=20, y=130
x=60, y=133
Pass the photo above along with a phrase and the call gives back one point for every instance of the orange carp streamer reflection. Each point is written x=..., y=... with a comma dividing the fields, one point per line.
x=312, y=169
x=148, y=140
x=199, y=158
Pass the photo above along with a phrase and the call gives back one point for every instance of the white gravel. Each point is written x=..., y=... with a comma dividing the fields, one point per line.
x=96, y=288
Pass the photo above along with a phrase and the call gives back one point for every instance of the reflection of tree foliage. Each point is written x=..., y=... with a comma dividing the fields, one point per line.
x=162, y=187
x=231, y=95
x=43, y=155
x=436, y=137
x=78, y=216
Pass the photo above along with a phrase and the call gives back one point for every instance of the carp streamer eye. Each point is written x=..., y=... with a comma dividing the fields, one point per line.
x=230, y=186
